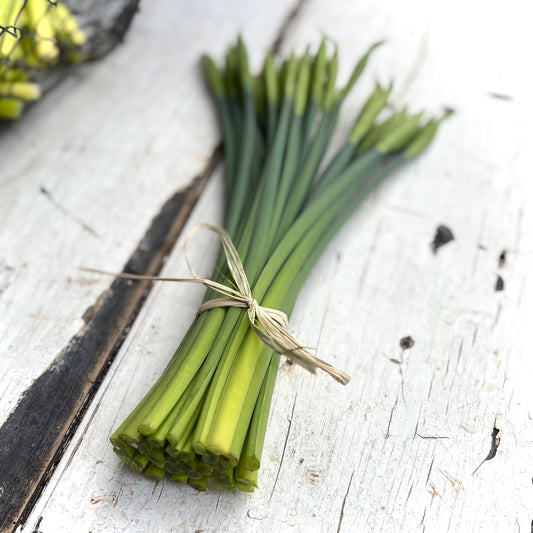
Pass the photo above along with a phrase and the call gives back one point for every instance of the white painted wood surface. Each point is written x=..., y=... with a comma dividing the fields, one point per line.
x=396, y=449
x=110, y=145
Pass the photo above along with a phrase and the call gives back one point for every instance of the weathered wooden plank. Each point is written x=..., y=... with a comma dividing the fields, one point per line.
x=64, y=384
x=34, y=436
x=397, y=449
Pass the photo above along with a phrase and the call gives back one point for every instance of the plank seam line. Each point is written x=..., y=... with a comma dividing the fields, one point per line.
x=190, y=196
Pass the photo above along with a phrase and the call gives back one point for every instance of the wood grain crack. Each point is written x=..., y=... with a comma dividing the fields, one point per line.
x=431, y=437
x=55, y=403
x=284, y=448
x=417, y=422
x=291, y=17
x=497, y=317
x=390, y=417
x=430, y=469
x=369, y=257
x=341, y=516
x=48, y=195
x=423, y=518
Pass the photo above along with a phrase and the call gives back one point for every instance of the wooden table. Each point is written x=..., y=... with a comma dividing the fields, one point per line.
x=113, y=167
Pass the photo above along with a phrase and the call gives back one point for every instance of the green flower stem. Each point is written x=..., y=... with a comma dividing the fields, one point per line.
x=154, y=473
x=250, y=457
x=126, y=453
x=272, y=98
x=139, y=462
x=307, y=171
x=247, y=147
x=244, y=478
x=128, y=431
x=338, y=163
x=182, y=425
x=159, y=438
x=178, y=382
x=228, y=431
x=157, y=457
x=216, y=387
x=263, y=234
x=199, y=484
x=197, y=396
x=179, y=477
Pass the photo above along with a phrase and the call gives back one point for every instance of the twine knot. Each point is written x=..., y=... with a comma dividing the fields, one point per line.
x=270, y=325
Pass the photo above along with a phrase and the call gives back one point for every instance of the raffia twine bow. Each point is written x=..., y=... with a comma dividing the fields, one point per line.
x=270, y=325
